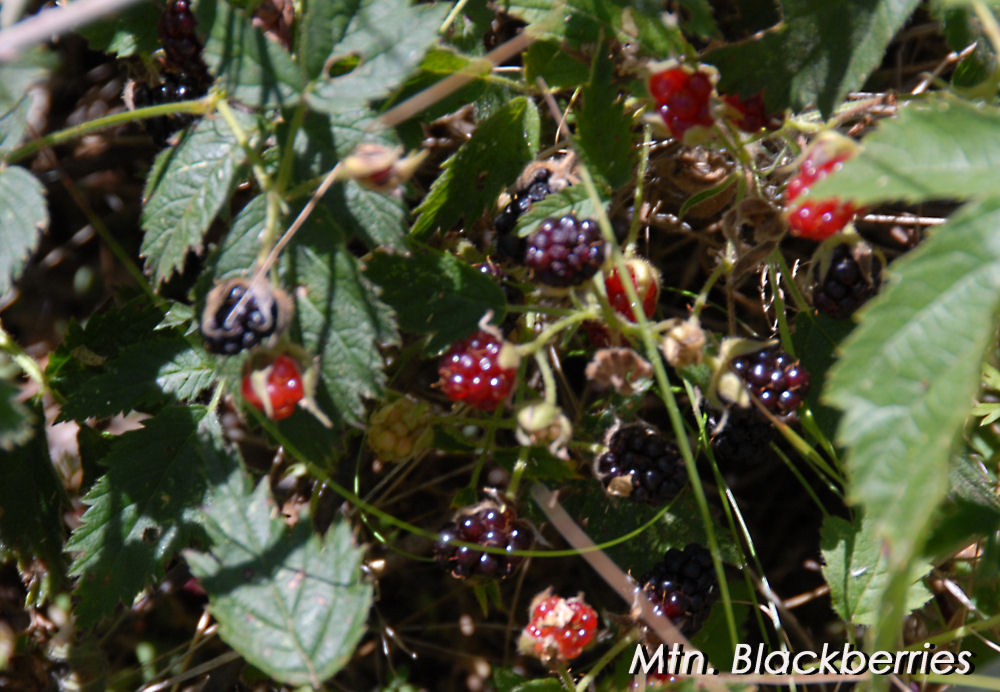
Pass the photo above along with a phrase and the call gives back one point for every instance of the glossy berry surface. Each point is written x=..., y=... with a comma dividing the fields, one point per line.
x=682, y=587
x=753, y=115
x=565, y=252
x=284, y=388
x=817, y=219
x=647, y=288
x=239, y=322
x=642, y=465
x=181, y=44
x=560, y=629
x=683, y=97
x=775, y=378
x=845, y=287
x=471, y=372
x=489, y=526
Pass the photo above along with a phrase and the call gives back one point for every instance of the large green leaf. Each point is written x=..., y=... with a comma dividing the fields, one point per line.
x=942, y=148
x=15, y=420
x=340, y=317
x=17, y=99
x=910, y=372
x=142, y=510
x=605, y=138
x=290, y=602
x=389, y=37
x=23, y=216
x=482, y=167
x=453, y=296
x=821, y=50
x=187, y=187
x=125, y=33
x=251, y=68
x=324, y=24
x=857, y=572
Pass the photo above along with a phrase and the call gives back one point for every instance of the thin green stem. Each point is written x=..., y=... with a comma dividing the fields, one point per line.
x=548, y=379
x=520, y=466
x=779, y=308
x=610, y=655
x=23, y=360
x=800, y=300
x=666, y=393
x=633, y=230
x=198, y=107
x=565, y=678
x=532, y=347
x=243, y=139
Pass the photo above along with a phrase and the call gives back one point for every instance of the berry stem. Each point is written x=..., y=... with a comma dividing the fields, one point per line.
x=666, y=393
x=800, y=300
x=26, y=363
x=633, y=229
x=565, y=678
x=200, y=106
x=610, y=655
x=520, y=466
x=779, y=309
x=702, y=298
x=532, y=347
x=548, y=379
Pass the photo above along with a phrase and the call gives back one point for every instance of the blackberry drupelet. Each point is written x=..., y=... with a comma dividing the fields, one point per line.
x=234, y=321
x=845, y=287
x=683, y=587
x=565, y=252
x=487, y=525
x=642, y=465
x=775, y=378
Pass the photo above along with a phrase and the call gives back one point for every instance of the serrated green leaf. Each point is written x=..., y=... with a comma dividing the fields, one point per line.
x=971, y=511
x=559, y=69
x=131, y=31
x=15, y=420
x=499, y=149
x=187, y=187
x=390, y=37
x=375, y=218
x=32, y=504
x=23, y=216
x=813, y=56
x=603, y=128
x=699, y=20
x=573, y=200
x=451, y=299
x=910, y=372
x=942, y=148
x=323, y=26
x=858, y=573
x=142, y=510
x=251, y=68
x=293, y=604
x=343, y=321
x=16, y=97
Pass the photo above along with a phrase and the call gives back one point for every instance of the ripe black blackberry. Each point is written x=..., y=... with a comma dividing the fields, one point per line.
x=239, y=316
x=744, y=441
x=488, y=525
x=521, y=201
x=565, y=252
x=181, y=44
x=175, y=87
x=682, y=587
x=846, y=285
x=642, y=465
x=775, y=378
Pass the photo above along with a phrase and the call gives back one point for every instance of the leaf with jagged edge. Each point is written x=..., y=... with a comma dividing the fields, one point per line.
x=940, y=148
x=290, y=602
x=23, y=216
x=143, y=510
x=344, y=322
x=821, y=50
x=389, y=37
x=604, y=130
x=909, y=373
x=573, y=200
x=186, y=188
x=15, y=419
x=130, y=31
x=857, y=572
x=251, y=68
x=473, y=178
x=452, y=299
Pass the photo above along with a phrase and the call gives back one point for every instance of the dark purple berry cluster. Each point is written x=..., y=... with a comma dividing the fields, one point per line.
x=745, y=439
x=238, y=316
x=775, y=378
x=642, y=465
x=565, y=252
x=487, y=525
x=682, y=587
x=175, y=87
x=845, y=287
x=180, y=41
